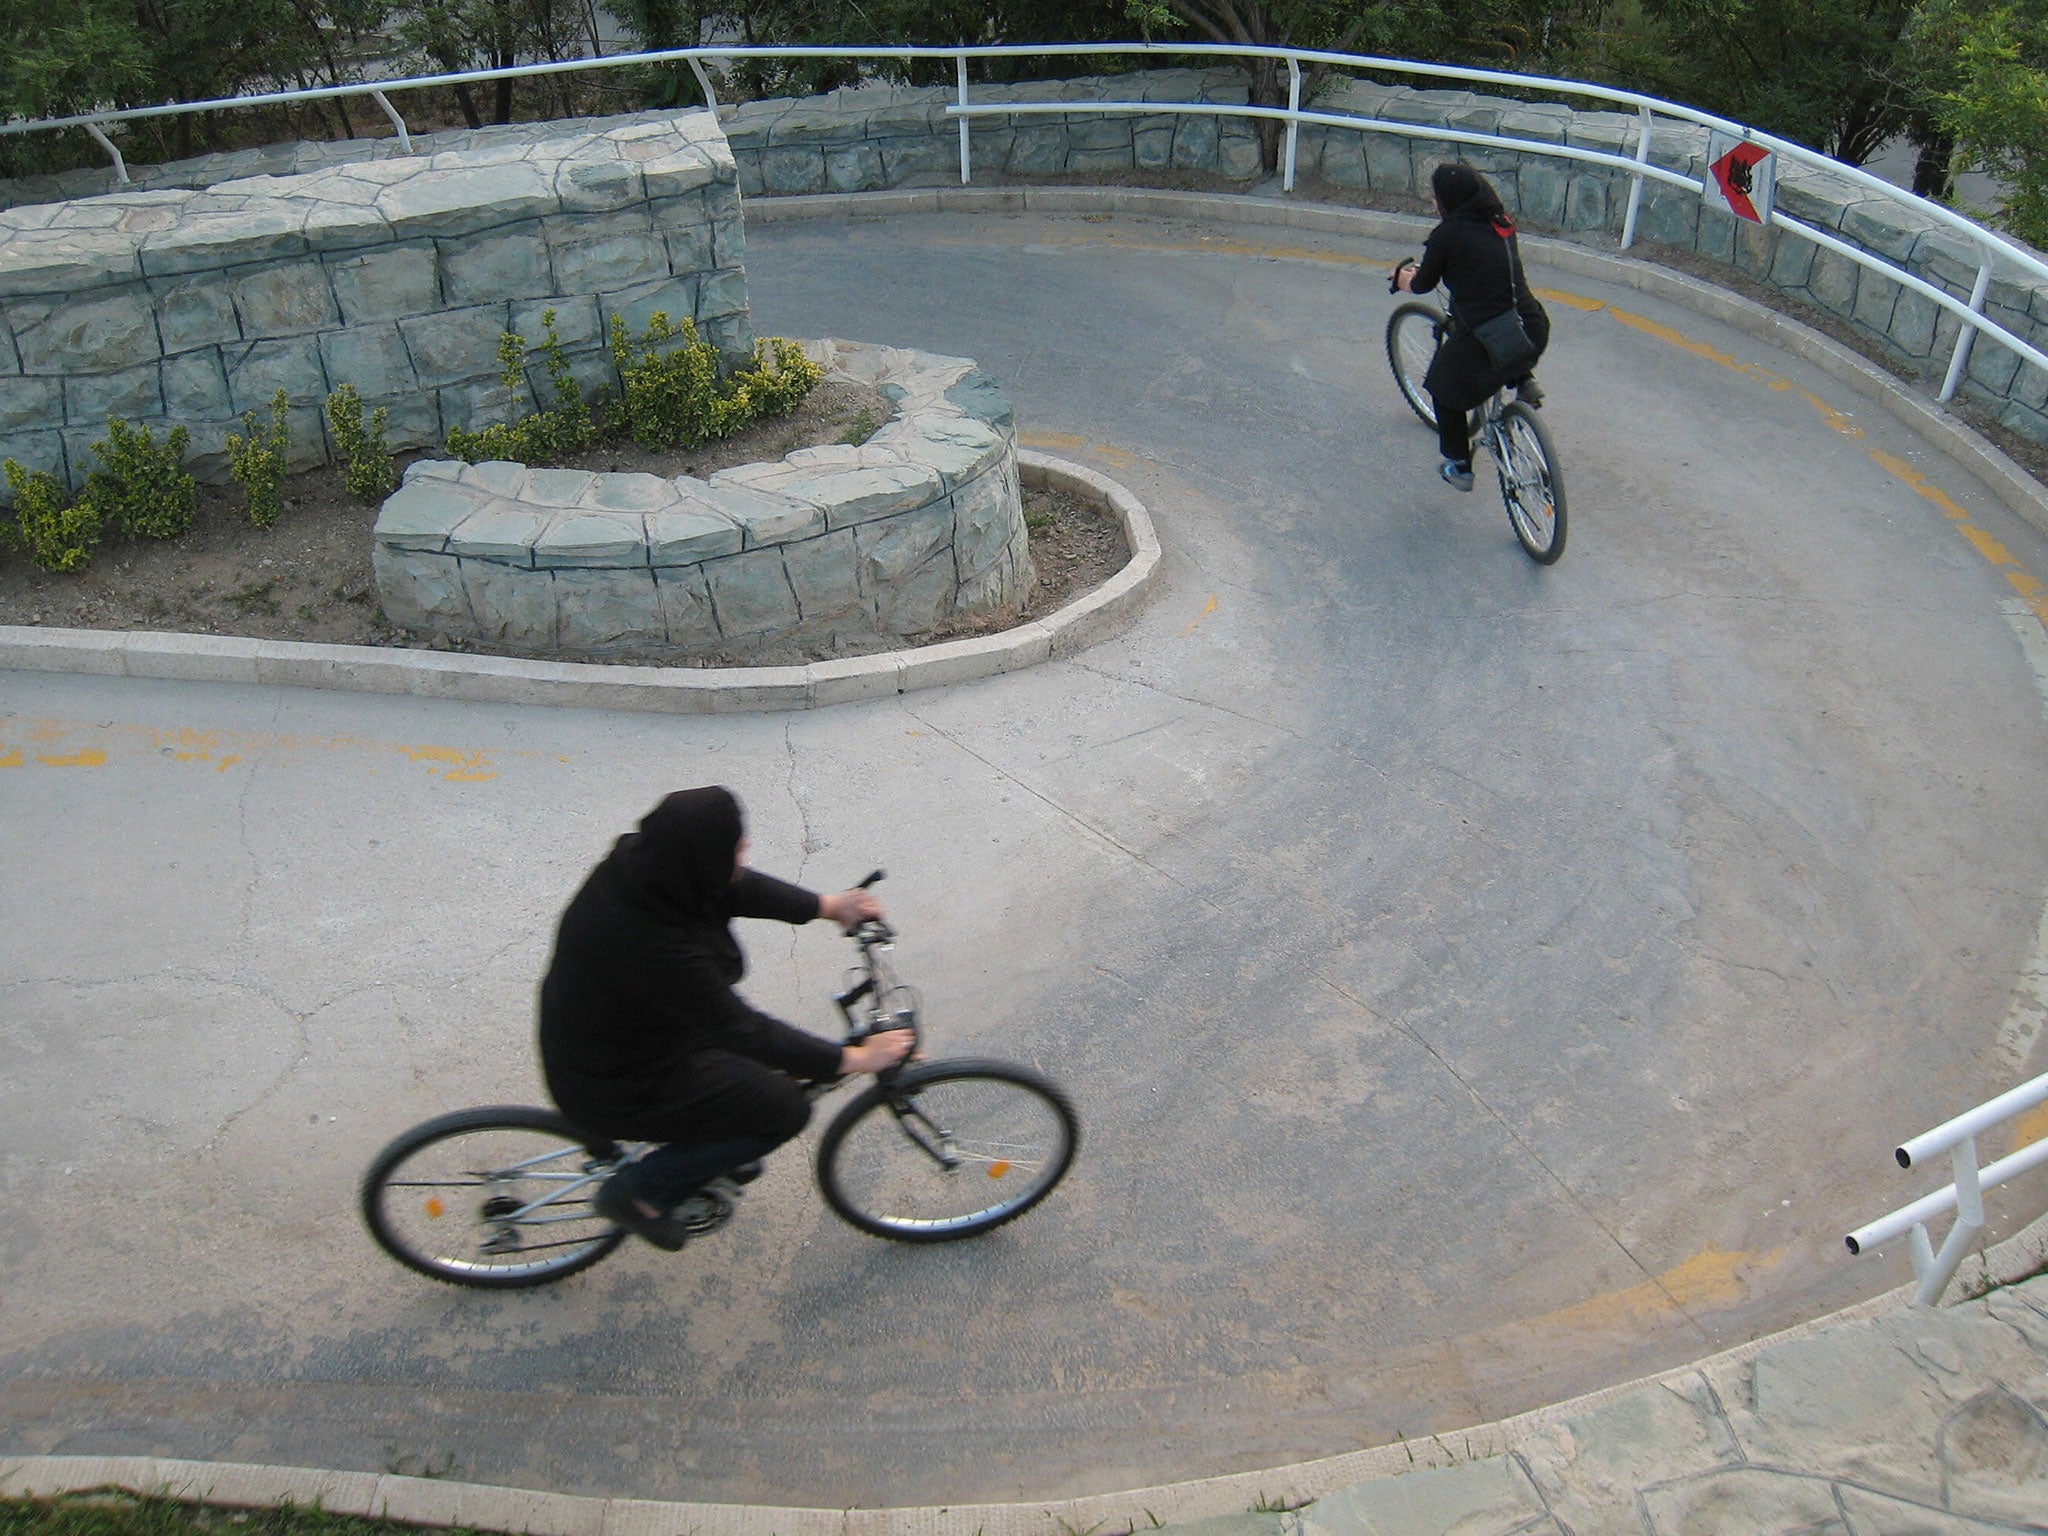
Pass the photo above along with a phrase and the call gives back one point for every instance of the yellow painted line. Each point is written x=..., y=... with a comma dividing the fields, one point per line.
x=1899, y=469
x=1711, y=1279
x=1986, y=545
x=1070, y=442
x=1576, y=301
x=2030, y=1127
x=1207, y=609
x=222, y=750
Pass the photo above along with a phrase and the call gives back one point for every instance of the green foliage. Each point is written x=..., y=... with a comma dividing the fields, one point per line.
x=105, y=1512
x=142, y=484
x=673, y=395
x=1996, y=106
x=446, y=36
x=366, y=469
x=56, y=537
x=544, y=436
x=257, y=461
x=56, y=60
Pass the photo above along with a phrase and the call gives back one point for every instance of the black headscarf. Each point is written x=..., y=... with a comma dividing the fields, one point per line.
x=679, y=865
x=1461, y=190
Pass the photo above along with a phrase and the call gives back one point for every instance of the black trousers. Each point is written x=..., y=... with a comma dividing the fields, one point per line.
x=1460, y=377
x=715, y=1111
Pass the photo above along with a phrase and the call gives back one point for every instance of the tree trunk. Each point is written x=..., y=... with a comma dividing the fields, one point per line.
x=1934, y=165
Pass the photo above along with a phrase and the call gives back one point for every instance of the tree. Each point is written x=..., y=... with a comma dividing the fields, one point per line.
x=1996, y=104
x=1831, y=74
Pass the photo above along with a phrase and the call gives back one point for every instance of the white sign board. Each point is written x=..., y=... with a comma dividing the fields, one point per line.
x=1741, y=175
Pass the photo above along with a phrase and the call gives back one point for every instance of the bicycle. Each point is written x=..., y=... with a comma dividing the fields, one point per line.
x=1531, y=483
x=500, y=1197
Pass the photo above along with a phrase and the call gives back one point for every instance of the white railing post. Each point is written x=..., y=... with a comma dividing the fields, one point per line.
x=1935, y=1270
x=1635, y=183
x=1293, y=121
x=113, y=152
x=404, y=138
x=704, y=83
x=1960, y=358
x=960, y=59
x=1964, y=1194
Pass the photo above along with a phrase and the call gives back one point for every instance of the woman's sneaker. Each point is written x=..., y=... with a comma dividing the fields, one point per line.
x=662, y=1229
x=1529, y=392
x=1457, y=472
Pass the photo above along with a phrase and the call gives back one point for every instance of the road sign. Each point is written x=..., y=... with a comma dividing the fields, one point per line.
x=1741, y=175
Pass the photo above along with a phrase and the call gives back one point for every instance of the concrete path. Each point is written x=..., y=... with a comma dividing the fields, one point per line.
x=1482, y=984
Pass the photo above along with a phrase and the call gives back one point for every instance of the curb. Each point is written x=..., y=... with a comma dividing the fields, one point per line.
x=478, y=1506
x=597, y=685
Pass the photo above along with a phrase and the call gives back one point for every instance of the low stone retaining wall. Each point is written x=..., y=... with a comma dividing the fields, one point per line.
x=398, y=275
x=881, y=137
x=829, y=545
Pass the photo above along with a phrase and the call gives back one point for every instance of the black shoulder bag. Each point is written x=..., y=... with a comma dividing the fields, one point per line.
x=1504, y=337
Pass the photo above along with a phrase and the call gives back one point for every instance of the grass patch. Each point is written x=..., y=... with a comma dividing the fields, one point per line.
x=113, y=1513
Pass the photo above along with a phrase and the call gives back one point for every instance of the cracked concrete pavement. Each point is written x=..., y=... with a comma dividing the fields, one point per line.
x=1481, y=983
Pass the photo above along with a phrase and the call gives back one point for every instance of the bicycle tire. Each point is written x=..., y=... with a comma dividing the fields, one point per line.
x=1531, y=483
x=1414, y=331
x=995, y=1119
x=510, y=1150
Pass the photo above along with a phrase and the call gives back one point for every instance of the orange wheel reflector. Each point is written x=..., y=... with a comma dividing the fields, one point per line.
x=998, y=1168
x=435, y=1207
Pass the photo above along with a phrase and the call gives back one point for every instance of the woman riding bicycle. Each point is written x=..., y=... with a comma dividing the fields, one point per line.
x=642, y=1037
x=1474, y=254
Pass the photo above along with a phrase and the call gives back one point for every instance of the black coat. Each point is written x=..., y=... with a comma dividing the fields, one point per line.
x=1468, y=252
x=642, y=975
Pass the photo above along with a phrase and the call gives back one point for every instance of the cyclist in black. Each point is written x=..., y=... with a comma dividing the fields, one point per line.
x=641, y=1034
x=1474, y=254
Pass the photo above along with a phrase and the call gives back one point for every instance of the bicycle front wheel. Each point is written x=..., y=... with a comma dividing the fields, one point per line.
x=1531, y=483
x=1413, y=333
x=947, y=1150
x=496, y=1198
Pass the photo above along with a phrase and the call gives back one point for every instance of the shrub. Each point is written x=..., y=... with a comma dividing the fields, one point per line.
x=673, y=395
x=671, y=391
x=543, y=436
x=56, y=537
x=367, y=470
x=142, y=484
x=258, y=461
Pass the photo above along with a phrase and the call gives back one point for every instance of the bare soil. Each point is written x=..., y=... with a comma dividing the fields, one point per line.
x=309, y=577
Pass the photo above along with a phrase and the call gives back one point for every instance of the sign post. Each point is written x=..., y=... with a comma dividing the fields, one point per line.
x=1741, y=176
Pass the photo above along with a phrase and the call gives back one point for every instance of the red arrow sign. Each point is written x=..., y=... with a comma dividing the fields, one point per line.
x=1734, y=172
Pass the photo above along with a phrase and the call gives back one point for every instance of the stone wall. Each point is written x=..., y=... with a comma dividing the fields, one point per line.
x=397, y=275
x=833, y=545
x=878, y=137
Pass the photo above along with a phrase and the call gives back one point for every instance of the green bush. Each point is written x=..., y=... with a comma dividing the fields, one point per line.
x=367, y=470
x=671, y=391
x=258, y=461
x=544, y=436
x=142, y=484
x=674, y=398
x=56, y=537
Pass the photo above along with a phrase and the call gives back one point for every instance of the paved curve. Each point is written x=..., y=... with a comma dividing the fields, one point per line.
x=1482, y=983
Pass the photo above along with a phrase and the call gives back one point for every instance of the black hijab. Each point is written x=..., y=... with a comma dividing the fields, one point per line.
x=679, y=865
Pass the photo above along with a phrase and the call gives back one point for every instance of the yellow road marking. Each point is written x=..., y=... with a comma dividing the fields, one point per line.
x=221, y=750
x=1071, y=442
x=2030, y=1127
x=1207, y=609
x=1712, y=1278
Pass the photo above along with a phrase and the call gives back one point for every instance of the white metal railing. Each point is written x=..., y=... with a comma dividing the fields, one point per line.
x=1965, y=1196
x=1991, y=248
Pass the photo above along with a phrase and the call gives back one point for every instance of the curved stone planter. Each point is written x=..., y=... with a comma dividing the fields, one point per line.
x=835, y=544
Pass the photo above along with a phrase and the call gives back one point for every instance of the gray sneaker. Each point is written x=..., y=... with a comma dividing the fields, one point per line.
x=1456, y=473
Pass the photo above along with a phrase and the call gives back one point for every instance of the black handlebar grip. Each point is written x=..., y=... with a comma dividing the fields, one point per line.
x=871, y=879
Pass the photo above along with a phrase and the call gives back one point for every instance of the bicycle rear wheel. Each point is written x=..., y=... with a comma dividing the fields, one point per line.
x=1531, y=482
x=496, y=1198
x=947, y=1150
x=1413, y=333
